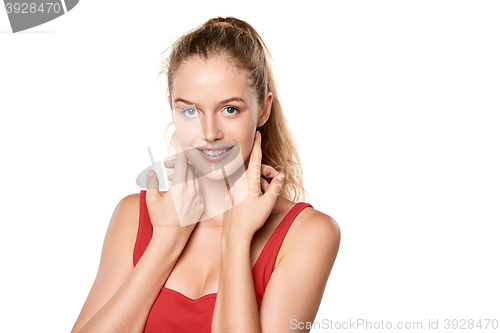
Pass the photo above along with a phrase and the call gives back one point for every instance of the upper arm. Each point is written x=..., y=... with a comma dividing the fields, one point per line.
x=116, y=258
x=299, y=280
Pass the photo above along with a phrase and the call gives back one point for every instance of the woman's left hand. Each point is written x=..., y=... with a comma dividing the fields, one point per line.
x=246, y=216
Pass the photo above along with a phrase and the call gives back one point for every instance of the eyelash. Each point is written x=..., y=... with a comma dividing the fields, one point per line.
x=225, y=108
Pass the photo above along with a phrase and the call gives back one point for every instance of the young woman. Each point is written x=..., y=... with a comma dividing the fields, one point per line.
x=184, y=260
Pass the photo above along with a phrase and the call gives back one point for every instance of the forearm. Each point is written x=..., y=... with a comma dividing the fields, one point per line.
x=236, y=305
x=128, y=309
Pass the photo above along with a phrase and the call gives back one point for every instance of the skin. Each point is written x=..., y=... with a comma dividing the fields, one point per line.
x=217, y=254
x=201, y=87
x=207, y=84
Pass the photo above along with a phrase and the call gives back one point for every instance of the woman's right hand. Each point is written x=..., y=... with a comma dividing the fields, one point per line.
x=176, y=211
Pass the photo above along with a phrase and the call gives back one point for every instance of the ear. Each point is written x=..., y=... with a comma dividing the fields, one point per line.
x=266, y=111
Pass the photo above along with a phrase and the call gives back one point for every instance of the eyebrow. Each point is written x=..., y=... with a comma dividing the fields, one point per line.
x=232, y=99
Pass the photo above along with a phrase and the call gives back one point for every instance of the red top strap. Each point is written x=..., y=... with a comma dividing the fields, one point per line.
x=145, y=231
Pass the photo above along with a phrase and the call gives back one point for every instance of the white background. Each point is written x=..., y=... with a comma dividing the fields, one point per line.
x=394, y=104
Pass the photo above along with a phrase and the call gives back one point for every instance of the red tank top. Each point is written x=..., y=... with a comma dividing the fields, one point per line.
x=174, y=312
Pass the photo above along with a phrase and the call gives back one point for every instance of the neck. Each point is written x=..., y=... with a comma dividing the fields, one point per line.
x=214, y=192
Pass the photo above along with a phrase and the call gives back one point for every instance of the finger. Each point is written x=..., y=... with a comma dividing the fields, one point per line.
x=180, y=162
x=189, y=173
x=274, y=189
x=264, y=184
x=196, y=183
x=256, y=154
x=230, y=198
x=254, y=167
x=152, y=185
x=227, y=203
x=268, y=171
x=239, y=190
x=169, y=164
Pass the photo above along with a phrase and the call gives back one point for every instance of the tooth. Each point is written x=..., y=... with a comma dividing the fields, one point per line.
x=215, y=152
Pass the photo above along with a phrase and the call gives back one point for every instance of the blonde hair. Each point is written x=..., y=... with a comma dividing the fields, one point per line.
x=239, y=40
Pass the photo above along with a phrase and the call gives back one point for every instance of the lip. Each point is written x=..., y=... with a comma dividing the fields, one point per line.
x=213, y=148
x=217, y=158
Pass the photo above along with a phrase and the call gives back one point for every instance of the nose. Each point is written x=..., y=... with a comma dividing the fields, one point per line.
x=211, y=128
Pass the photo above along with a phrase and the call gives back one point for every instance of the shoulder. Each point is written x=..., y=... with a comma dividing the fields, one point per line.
x=126, y=216
x=310, y=220
x=316, y=223
x=130, y=203
x=127, y=212
x=312, y=232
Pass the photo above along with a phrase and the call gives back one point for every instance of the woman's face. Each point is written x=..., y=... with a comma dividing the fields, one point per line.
x=214, y=109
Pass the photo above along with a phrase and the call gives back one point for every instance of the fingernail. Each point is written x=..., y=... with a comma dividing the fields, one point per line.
x=256, y=133
x=280, y=176
x=150, y=173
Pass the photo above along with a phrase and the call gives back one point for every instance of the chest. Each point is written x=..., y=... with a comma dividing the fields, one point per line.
x=197, y=270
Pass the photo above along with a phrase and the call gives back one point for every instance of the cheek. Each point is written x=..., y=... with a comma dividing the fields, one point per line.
x=247, y=145
x=243, y=137
x=185, y=133
x=184, y=141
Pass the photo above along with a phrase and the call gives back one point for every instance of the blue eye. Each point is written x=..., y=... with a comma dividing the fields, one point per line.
x=189, y=112
x=231, y=110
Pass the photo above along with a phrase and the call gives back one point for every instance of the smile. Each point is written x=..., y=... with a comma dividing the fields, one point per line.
x=215, y=152
x=215, y=155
